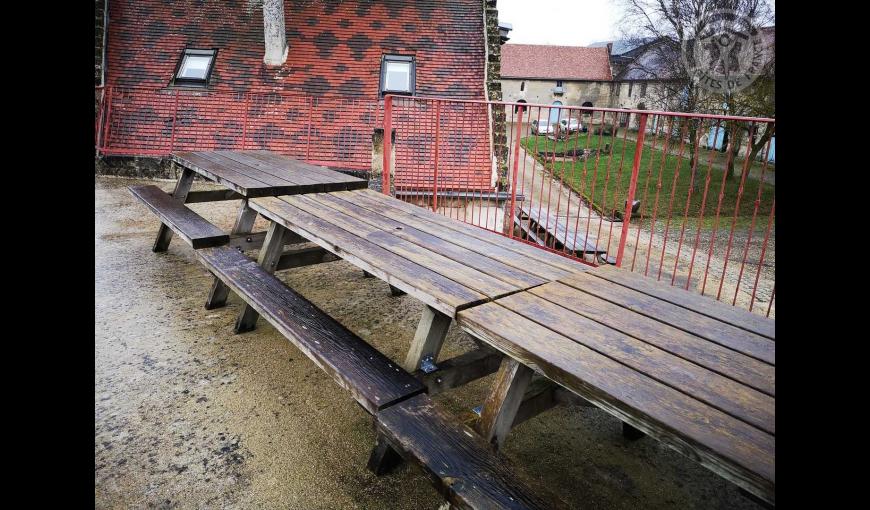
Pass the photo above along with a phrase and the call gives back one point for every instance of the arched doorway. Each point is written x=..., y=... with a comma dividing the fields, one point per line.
x=555, y=112
x=517, y=107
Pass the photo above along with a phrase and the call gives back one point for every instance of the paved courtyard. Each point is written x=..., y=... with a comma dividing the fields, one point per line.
x=189, y=415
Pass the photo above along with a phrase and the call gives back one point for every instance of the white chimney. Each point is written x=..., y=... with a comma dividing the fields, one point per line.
x=274, y=34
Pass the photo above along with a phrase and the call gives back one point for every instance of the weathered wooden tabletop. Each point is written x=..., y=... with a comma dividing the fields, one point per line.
x=264, y=173
x=695, y=373
x=447, y=264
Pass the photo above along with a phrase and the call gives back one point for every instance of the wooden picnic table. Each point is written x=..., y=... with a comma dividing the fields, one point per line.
x=446, y=264
x=692, y=372
x=246, y=174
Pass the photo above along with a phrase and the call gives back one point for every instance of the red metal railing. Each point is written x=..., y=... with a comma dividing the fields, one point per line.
x=333, y=131
x=685, y=198
x=647, y=190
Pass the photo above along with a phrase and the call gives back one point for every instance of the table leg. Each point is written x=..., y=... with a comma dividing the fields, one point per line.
x=270, y=253
x=182, y=187
x=383, y=458
x=504, y=400
x=428, y=339
x=217, y=297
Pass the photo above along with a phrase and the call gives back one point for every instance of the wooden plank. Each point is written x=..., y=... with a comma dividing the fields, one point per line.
x=542, y=256
x=191, y=227
x=327, y=175
x=461, y=254
x=460, y=463
x=732, y=364
x=459, y=272
x=217, y=195
x=228, y=177
x=217, y=296
x=460, y=370
x=528, y=232
x=428, y=339
x=704, y=305
x=268, y=259
x=426, y=285
x=503, y=255
x=182, y=188
x=372, y=378
x=247, y=242
x=727, y=395
x=724, y=334
x=223, y=165
x=574, y=239
x=287, y=177
x=735, y=450
x=504, y=400
x=307, y=256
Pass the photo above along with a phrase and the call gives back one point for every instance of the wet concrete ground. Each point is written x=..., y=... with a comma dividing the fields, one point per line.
x=189, y=415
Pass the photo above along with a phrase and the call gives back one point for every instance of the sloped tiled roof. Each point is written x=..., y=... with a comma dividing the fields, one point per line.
x=555, y=62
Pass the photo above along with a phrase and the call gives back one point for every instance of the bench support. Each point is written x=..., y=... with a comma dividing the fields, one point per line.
x=182, y=188
x=503, y=402
x=460, y=370
x=428, y=339
x=270, y=253
x=217, y=297
x=383, y=458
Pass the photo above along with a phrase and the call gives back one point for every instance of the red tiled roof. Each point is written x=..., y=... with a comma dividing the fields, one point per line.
x=555, y=62
x=335, y=55
x=335, y=46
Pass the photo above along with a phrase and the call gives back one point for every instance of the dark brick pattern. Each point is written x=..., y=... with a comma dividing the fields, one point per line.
x=322, y=104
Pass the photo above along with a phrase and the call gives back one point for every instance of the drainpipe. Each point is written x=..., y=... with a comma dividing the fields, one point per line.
x=274, y=35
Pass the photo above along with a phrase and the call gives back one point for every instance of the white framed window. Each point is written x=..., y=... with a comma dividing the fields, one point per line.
x=398, y=75
x=195, y=67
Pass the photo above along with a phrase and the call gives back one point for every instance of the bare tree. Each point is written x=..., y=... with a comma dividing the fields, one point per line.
x=663, y=31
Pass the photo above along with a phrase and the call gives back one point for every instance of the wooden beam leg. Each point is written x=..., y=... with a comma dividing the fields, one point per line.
x=383, y=458
x=428, y=339
x=504, y=400
x=182, y=187
x=217, y=296
x=270, y=253
x=460, y=370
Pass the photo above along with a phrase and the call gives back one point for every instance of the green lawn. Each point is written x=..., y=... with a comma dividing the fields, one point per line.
x=580, y=175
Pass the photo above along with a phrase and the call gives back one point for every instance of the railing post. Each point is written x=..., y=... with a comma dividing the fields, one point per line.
x=107, y=121
x=632, y=187
x=437, y=143
x=245, y=121
x=308, y=134
x=388, y=143
x=174, y=116
x=514, y=173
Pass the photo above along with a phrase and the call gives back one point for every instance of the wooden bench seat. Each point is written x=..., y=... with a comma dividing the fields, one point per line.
x=462, y=466
x=557, y=233
x=372, y=378
x=193, y=228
